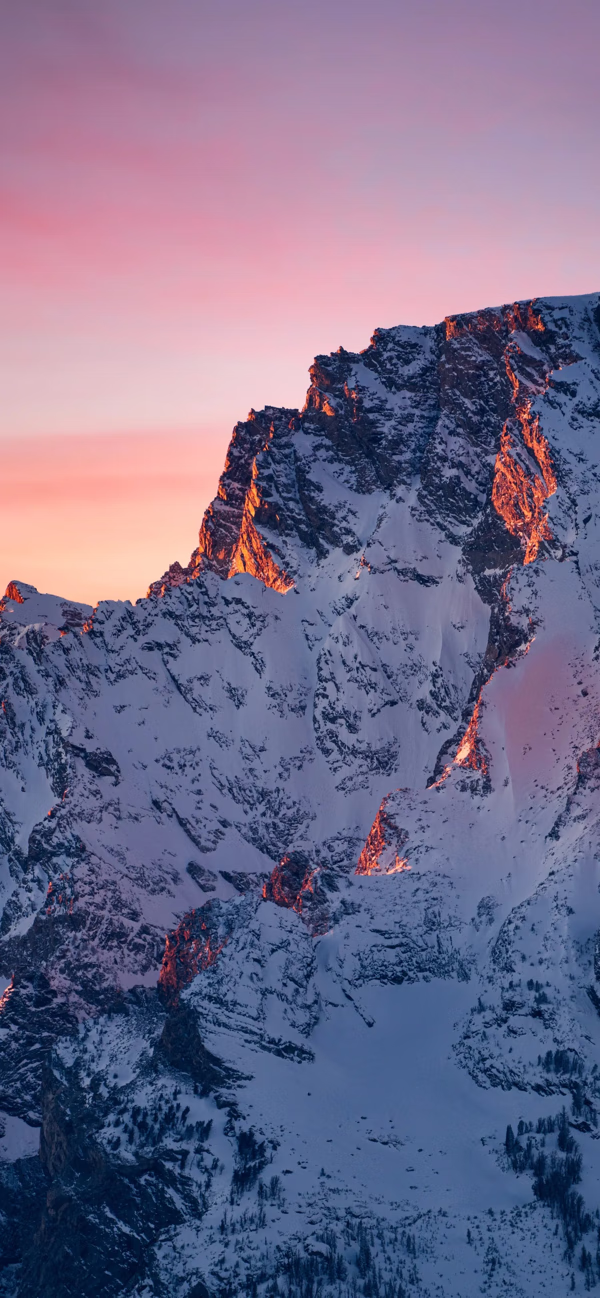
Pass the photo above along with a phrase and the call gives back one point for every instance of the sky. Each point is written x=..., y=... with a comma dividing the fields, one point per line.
x=197, y=197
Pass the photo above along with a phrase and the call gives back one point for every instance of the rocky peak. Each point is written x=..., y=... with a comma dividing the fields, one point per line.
x=298, y=855
x=430, y=408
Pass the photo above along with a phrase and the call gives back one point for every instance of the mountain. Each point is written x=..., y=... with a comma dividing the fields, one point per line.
x=300, y=938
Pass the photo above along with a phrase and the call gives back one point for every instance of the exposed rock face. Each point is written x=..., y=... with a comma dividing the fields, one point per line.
x=192, y=946
x=300, y=876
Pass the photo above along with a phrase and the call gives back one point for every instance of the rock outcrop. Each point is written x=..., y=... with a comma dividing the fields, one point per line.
x=299, y=863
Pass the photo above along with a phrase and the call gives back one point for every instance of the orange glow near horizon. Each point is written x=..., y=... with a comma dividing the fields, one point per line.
x=92, y=518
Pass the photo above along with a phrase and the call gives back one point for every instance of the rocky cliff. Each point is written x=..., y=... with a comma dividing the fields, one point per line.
x=300, y=946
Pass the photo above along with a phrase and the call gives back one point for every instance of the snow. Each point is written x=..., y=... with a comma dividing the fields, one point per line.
x=17, y=1139
x=377, y=1032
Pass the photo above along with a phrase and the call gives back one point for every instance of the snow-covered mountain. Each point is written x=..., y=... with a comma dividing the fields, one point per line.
x=300, y=940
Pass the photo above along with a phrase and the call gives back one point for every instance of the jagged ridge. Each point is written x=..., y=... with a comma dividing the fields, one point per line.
x=393, y=606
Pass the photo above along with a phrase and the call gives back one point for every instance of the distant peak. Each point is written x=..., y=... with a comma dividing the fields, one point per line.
x=174, y=576
x=13, y=592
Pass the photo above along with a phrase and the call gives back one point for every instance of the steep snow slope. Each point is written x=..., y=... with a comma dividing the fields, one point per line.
x=347, y=762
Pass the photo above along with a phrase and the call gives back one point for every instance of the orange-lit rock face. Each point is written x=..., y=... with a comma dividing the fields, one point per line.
x=452, y=329
x=59, y=897
x=317, y=398
x=536, y=442
x=291, y=883
x=519, y=500
x=250, y=554
x=174, y=576
x=518, y=495
x=460, y=325
x=229, y=540
x=6, y=995
x=382, y=836
x=188, y=949
x=519, y=316
x=524, y=316
x=12, y=592
x=468, y=752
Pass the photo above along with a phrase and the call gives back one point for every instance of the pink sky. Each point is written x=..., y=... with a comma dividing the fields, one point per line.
x=197, y=197
x=102, y=515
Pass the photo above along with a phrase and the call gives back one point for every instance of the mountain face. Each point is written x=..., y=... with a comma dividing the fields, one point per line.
x=300, y=868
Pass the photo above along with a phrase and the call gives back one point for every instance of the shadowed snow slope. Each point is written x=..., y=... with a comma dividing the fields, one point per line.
x=300, y=938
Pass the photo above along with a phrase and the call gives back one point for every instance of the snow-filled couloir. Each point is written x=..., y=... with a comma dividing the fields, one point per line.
x=300, y=943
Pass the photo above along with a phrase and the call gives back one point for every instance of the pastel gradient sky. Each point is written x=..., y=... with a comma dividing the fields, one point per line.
x=196, y=197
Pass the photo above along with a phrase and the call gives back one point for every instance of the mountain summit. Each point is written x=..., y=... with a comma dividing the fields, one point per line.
x=300, y=939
